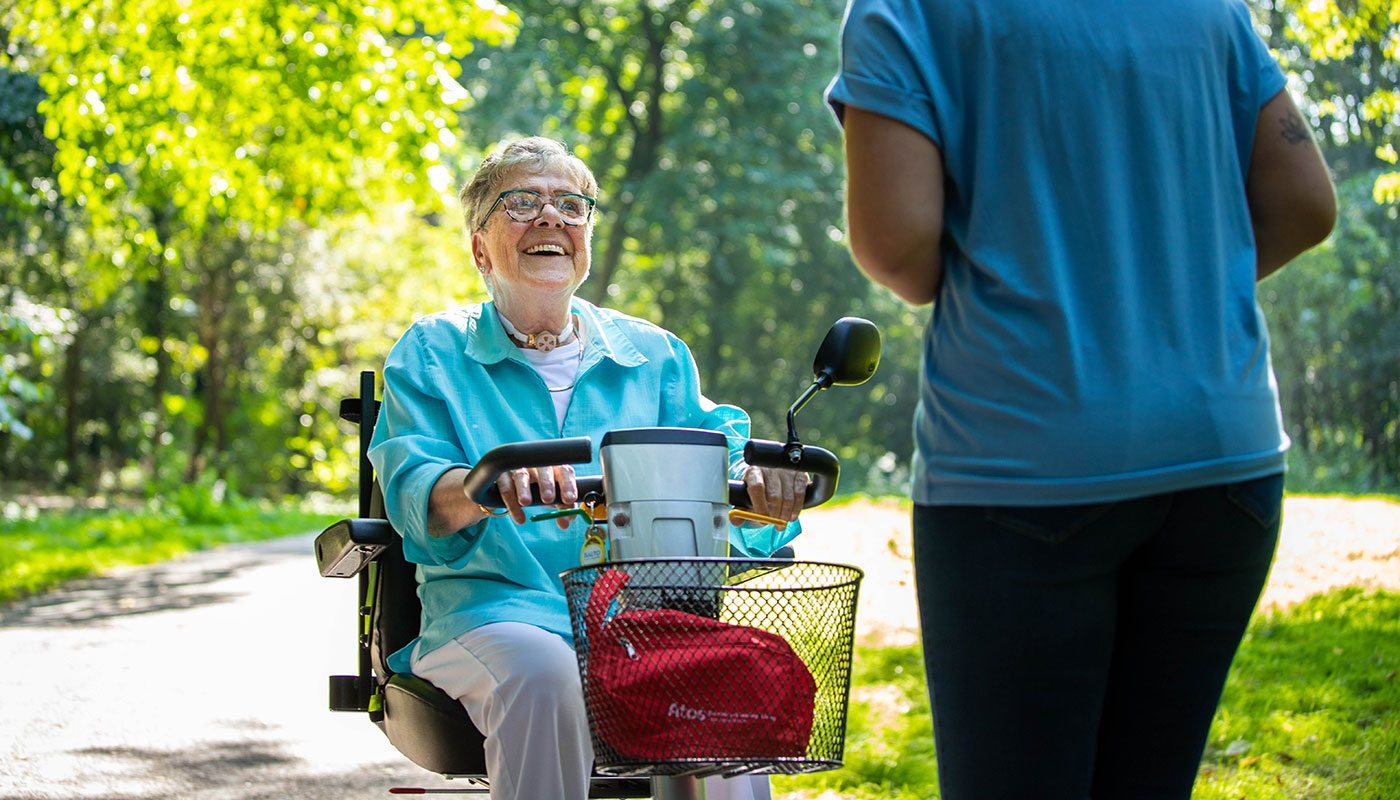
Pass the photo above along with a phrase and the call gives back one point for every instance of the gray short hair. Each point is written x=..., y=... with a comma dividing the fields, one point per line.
x=534, y=153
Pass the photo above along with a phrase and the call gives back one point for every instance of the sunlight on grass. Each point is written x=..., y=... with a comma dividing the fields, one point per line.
x=889, y=736
x=39, y=553
x=1311, y=710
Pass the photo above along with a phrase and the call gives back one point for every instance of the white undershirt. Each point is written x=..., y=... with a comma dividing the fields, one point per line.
x=559, y=369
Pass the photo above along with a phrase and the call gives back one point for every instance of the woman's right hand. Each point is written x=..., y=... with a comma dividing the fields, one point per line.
x=556, y=487
x=450, y=509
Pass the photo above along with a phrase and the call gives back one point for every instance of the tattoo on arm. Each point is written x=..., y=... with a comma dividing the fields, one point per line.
x=1294, y=131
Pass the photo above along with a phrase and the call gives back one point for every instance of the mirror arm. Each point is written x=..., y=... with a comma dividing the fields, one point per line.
x=793, y=449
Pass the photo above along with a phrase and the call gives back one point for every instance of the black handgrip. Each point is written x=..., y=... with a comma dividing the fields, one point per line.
x=823, y=465
x=590, y=485
x=480, y=483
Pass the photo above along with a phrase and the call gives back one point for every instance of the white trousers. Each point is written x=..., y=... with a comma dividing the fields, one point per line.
x=520, y=686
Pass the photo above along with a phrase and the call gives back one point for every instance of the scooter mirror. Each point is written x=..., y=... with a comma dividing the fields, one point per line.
x=849, y=354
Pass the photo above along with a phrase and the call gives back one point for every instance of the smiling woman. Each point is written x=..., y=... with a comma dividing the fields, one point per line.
x=533, y=363
x=537, y=252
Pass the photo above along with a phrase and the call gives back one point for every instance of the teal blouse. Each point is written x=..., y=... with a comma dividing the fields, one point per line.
x=455, y=387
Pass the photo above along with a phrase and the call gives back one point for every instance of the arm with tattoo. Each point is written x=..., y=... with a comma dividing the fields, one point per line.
x=1292, y=204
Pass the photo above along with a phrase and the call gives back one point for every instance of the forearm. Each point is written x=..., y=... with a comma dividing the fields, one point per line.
x=449, y=508
x=1280, y=238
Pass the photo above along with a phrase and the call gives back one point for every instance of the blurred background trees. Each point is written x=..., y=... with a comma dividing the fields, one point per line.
x=189, y=192
x=214, y=214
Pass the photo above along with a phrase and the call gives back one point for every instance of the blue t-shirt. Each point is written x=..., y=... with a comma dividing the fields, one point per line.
x=455, y=387
x=1096, y=336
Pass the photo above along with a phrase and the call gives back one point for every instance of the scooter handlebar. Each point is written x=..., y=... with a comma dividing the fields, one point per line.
x=480, y=483
x=822, y=464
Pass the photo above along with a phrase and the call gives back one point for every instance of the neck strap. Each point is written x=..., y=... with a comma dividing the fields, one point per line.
x=544, y=341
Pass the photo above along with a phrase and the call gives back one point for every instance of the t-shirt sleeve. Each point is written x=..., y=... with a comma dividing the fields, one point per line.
x=885, y=63
x=1255, y=78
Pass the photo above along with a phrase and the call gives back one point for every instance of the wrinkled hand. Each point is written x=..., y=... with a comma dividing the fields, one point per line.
x=556, y=486
x=777, y=493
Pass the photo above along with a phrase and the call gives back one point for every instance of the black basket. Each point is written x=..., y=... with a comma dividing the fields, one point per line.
x=714, y=666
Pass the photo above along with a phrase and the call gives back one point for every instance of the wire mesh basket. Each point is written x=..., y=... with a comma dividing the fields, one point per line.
x=695, y=666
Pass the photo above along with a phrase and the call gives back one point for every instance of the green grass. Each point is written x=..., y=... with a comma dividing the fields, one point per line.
x=889, y=735
x=39, y=552
x=1311, y=710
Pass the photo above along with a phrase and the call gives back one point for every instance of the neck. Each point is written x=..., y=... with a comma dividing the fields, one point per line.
x=544, y=341
x=536, y=318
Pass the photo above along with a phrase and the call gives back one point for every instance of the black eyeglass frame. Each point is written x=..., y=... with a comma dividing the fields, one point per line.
x=591, y=201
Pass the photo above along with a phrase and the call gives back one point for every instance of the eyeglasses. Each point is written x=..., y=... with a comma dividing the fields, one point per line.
x=524, y=205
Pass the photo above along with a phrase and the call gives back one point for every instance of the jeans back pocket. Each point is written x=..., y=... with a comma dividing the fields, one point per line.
x=1053, y=524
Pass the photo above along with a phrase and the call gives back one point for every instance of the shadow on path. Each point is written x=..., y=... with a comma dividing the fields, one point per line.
x=201, y=679
x=129, y=591
x=226, y=770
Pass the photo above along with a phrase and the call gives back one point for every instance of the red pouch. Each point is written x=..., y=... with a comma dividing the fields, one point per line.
x=664, y=684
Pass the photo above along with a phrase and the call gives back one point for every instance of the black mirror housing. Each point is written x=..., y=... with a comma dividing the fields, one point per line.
x=849, y=354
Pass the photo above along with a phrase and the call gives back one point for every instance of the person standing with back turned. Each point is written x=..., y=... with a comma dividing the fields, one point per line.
x=1088, y=192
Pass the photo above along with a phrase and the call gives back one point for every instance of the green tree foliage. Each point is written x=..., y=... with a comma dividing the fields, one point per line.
x=1347, y=54
x=189, y=145
x=1335, y=317
x=23, y=341
x=257, y=112
x=25, y=160
x=26, y=156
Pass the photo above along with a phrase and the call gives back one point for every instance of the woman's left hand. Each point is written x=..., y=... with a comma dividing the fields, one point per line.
x=777, y=493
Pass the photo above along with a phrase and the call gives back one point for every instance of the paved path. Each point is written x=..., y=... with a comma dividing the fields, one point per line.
x=202, y=678
x=205, y=679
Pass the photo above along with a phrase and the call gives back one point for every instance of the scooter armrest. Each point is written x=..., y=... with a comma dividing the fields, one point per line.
x=346, y=547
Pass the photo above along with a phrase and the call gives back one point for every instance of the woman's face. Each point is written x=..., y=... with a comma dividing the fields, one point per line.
x=540, y=258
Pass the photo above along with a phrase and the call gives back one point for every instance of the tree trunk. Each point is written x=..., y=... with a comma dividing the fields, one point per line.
x=213, y=313
x=72, y=413
x=648, y=135
x=156, y=306
x=597, y=291
x=204, y=387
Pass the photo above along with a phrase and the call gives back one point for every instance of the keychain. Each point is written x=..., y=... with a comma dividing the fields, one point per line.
x=595, y=540
x=595, y=546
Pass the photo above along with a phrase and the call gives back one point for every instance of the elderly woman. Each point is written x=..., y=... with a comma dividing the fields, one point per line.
x=535, y=362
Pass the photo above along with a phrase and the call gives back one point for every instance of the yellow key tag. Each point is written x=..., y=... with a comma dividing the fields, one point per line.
x=595, y=547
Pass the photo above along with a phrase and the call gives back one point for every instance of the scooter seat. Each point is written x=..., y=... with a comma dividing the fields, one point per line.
x=430, y=728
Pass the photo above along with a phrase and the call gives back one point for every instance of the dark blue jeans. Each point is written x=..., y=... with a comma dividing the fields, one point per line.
x=1079, y=651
